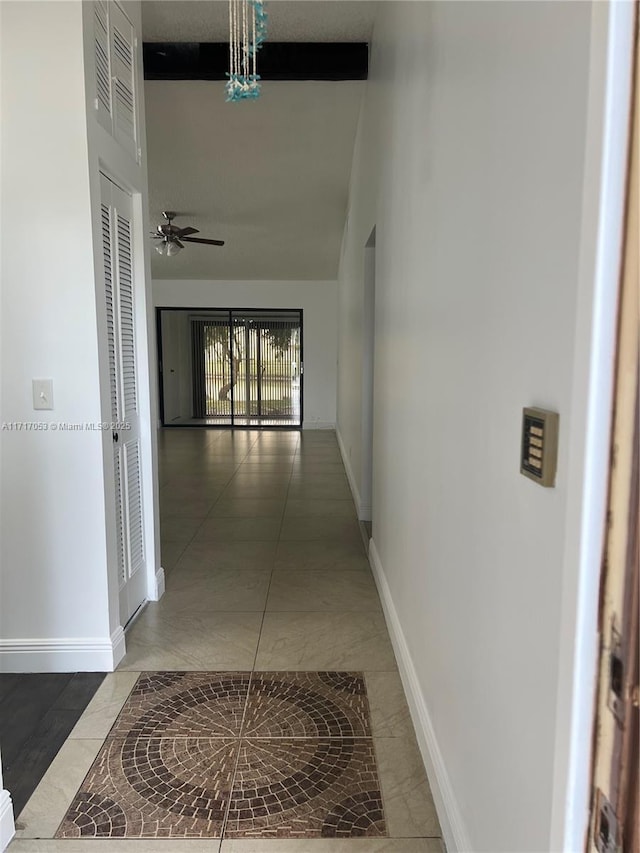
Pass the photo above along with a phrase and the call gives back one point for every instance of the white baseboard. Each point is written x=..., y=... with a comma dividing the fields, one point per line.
x=318, y=425
x=353, y=485
x=118, y=645
x=74, y=654
x=159, y=586
x=365, y=512
x=451, y=822
x=7, y=826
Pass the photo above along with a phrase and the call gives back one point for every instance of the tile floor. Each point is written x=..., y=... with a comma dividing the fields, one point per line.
x=266, y=574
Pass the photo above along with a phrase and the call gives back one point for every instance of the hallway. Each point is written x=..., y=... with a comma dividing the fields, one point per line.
x=266, y=574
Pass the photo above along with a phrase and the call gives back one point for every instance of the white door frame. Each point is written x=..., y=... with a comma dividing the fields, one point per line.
x=365, y=510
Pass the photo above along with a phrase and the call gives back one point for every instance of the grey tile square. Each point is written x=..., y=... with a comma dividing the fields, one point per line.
x=240, y=590
x=170, y=554
x=319, y=641
x=191, y=490
x=335, y=591
x=101, y=712
x=255, y=474
x=304, y=466
x=186, y=507
x=256, y=489
x=179, y=529
x=296, y=508
x=337, y=488
x=390, y=715
x=324, y=478
x=248, y=508
x=320, y=527
x=201, y=557
x=303, y=556
x=192, y=641
x=260, y=457
x=408, y=802
x=240, y=529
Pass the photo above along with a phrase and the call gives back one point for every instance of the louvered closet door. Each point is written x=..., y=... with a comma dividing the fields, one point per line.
x=117, y=240
x=103, y=63
x=123, y=80
x=115, y=73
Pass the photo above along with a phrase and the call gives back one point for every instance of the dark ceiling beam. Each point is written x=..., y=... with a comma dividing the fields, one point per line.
x=276, y=60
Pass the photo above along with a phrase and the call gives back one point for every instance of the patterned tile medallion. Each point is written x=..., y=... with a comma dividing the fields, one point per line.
x=305, y=788
x=273, y=755
x=177, y=704
x=307, y=704
x=154, y=788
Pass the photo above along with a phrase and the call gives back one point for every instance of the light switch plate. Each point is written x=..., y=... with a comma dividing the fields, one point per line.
x=42, y=394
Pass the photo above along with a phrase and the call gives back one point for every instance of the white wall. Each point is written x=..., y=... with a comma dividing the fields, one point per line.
x=52, y=541
x=470, y=162
x=58, y=574
x=318, y=301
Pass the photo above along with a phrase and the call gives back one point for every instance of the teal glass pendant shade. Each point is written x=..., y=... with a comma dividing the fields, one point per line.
x=247, y=32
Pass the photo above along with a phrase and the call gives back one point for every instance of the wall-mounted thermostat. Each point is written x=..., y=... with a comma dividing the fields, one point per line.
x=539, y=454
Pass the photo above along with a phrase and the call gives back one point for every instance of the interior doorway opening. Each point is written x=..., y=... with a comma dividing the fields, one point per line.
x=230, y=367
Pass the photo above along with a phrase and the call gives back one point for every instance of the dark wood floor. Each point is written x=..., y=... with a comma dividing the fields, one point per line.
x=37, y=713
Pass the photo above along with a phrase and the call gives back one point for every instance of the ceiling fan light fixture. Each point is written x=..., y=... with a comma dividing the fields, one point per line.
x=168, y=238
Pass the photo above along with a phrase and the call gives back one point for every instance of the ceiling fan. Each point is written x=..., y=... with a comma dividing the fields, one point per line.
x=172, y=238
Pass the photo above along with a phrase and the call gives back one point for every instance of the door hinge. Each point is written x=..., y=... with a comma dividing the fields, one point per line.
x=605, y=828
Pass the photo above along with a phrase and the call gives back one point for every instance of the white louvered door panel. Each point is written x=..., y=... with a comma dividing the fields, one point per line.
x=119, y=285
x=105, y=210
x=134, y=506
x=126, y=316
x=107, y=255
x=120, y=518
x=123, y=80
x=103, y=63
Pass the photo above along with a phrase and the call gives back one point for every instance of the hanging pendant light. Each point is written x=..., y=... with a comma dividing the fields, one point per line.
x=247, y=32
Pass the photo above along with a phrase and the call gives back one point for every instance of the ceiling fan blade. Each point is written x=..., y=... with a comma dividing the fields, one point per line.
x=202, y=240
x=178, y=243
x=184, y=232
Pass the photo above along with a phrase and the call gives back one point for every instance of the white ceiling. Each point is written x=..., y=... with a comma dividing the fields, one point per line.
x=289, y=20
x=271, y=176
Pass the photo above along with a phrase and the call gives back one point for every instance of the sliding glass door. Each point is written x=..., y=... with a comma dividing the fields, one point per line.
x=246, y=367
